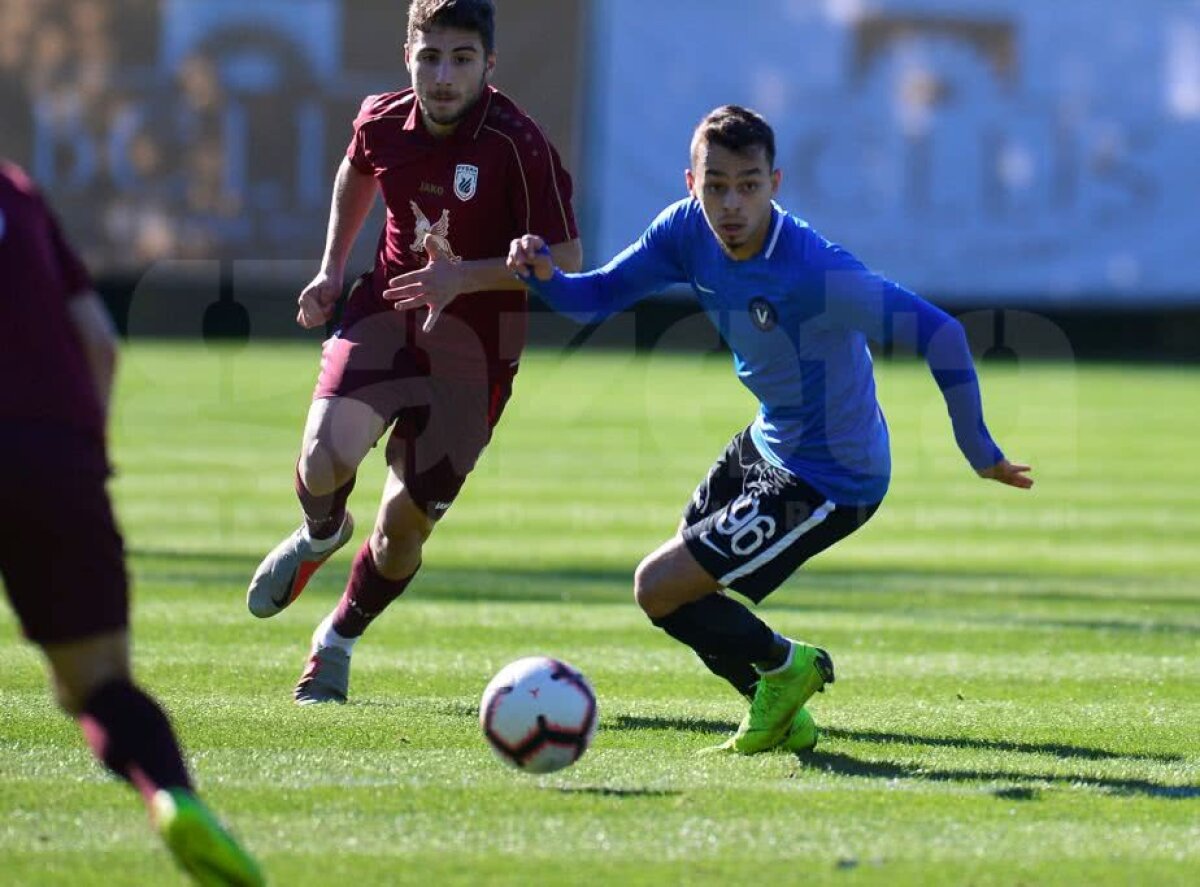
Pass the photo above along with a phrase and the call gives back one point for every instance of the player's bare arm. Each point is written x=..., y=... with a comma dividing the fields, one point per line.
x=95, y=329
x=353, y=194
x=444, y=278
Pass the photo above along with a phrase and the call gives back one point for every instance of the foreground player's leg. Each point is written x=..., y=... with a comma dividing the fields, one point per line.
x=382, y=570
x=681, y=598
x=200, y=844
x=337, y=436
x=129, y=734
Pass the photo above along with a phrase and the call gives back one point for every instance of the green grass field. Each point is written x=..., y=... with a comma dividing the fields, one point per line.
x=1018, y=695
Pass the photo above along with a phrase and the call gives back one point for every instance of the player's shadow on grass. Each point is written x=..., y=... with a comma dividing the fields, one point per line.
x=859, y=589
x=1058, y=750
x=608, y=791
x=842, y=764
x=677, y=725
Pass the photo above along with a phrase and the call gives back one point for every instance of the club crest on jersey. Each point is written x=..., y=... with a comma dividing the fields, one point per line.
x=439, y=232
x=466, y=180
x=762, y=313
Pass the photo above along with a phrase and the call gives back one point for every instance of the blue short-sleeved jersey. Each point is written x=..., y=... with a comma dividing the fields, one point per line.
x=797, y=317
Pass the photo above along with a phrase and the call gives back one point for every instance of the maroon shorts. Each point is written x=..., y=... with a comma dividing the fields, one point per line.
x=441, y=402
x=61, y=555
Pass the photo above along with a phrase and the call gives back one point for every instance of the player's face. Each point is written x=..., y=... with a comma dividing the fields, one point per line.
x=449, y=70
x=735, y=188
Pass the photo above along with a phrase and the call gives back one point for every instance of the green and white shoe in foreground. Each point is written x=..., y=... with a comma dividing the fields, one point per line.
x=780, y=695
x=200, y=844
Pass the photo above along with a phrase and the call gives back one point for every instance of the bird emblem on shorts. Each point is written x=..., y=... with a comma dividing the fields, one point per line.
x=440, y=232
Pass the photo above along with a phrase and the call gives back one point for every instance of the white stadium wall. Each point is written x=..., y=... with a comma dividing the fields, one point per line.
x=1019, y=151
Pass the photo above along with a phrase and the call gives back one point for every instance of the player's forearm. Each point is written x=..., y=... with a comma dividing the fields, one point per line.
x=353, y=195
x=493, y=274
x=949, y=359
x=590, y=297
x=585, y=298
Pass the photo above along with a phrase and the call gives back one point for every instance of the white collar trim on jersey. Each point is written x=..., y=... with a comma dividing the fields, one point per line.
x=778, y=228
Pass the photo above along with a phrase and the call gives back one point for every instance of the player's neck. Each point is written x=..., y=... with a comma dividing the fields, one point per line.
x=445, y=130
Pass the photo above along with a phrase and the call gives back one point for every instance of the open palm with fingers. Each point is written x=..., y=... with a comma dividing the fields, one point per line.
x=1009, y=473
x=435, y=285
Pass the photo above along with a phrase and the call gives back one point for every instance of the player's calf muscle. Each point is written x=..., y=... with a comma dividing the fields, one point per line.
x=397, y=555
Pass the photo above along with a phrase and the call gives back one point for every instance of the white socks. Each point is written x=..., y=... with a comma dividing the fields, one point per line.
x=325, y=636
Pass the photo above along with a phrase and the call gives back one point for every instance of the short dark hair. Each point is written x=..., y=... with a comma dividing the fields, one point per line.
x=465, y=15
x=736, y=128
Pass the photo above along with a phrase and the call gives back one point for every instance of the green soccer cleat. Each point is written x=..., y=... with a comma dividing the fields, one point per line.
x=780, y=694
x=803, y=735
x=200, y=843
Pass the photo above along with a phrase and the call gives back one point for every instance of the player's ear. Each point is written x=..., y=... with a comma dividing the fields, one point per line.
x=489, y=66
x=776, y=181
x=690, y=178
x=407, y=55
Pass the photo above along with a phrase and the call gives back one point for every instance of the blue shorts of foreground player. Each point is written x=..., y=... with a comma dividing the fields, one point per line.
x=751, y=524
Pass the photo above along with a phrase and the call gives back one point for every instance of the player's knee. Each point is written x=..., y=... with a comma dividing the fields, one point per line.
x=647, y=585
x=65, y=696
x=397, y=551
x=321, y=469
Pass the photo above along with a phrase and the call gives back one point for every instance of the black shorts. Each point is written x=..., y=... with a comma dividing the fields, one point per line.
x=61, y=555
x=751, y=524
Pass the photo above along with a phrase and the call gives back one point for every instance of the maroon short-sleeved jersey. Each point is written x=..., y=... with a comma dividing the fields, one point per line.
x=494, y=178
x=44, y=374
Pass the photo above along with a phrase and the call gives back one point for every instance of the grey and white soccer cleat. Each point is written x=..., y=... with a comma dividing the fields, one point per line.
x=326, y=677
x=286, y=570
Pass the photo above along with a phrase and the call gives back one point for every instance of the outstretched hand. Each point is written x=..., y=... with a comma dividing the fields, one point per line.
x=529, y=255
x=435, y=285
x=1009, y=473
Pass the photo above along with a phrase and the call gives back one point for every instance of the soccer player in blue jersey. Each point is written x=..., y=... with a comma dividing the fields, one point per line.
x=797, y=312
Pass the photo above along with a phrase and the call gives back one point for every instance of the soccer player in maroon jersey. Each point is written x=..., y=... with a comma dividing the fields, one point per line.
x=462, y=171
x=61, y=553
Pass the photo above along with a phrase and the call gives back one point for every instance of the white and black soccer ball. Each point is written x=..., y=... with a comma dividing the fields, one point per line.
x=538, y=714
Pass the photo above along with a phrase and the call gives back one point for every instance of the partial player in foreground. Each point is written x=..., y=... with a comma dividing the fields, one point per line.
x=814, y=465
x=462, y=171
x=61, y=553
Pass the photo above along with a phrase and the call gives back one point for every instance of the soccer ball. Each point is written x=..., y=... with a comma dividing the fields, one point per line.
x=538, y=714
